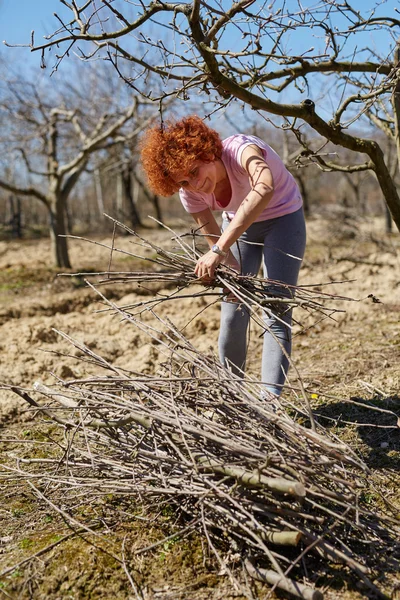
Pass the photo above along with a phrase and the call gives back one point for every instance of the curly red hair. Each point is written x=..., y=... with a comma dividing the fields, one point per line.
x=174, y=147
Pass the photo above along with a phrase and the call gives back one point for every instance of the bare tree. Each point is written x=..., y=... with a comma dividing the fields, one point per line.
x=117, y=167
x=318, y=56
x=51, y=139
x=389, y=125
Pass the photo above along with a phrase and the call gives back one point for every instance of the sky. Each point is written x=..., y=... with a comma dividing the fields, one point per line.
x=18, y=18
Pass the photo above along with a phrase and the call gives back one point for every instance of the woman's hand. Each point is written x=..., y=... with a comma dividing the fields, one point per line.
x=206, y=265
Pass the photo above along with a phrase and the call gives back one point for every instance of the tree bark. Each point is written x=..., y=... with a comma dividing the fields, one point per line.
x=156, y=203
x=15, y=217
x=99, y=192
x=59, y=245
x=386, y=183
x=396, y=102
x=388, y=220
x=68, y=219
x=126, y=174
x=304, y=194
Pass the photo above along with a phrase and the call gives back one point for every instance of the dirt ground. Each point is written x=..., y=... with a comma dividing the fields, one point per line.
x=357, y=355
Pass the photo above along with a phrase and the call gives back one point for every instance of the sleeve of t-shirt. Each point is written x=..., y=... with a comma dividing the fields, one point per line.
x=191, y=201
x=237, y=145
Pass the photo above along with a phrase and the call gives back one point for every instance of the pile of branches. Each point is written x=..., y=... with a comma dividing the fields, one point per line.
x=260, y=486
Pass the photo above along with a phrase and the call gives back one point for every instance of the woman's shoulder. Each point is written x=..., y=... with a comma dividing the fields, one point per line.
x=234, y=145
x=238, y=140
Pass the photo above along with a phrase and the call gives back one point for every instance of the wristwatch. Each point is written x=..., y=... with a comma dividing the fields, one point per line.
x=217, y=250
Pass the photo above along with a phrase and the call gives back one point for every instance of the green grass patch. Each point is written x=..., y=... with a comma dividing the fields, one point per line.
x=18, y=278
x=26, y=543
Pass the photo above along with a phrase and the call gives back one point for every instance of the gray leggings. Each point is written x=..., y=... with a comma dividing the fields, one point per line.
x=280, y=237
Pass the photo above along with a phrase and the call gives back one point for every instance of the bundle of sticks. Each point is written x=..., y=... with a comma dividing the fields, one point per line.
x=174, y=267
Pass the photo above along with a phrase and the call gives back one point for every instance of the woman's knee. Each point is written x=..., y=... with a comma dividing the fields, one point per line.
x=234, y=323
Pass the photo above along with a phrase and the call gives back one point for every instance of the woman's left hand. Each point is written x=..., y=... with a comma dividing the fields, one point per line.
x=206, y=265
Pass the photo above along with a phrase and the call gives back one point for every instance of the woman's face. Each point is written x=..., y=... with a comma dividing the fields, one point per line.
x=200, y=177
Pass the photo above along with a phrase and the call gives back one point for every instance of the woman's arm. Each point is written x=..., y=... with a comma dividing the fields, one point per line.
x=262, y=189
x=212, y=232
x=208, y=226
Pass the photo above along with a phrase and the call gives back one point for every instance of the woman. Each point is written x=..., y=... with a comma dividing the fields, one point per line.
x=261, y=203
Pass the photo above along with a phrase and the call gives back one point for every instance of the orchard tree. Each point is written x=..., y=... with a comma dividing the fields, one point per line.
x=50, y=136
x=322, y=62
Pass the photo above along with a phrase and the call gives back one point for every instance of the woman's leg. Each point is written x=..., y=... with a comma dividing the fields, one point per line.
x=235, y=317
x=284, y=245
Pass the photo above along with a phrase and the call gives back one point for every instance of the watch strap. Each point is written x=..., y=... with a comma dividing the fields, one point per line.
x=217, y=250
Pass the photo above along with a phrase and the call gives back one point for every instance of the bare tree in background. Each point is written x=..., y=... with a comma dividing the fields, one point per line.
x=117, y=168
x=50, y=140
x=318, y=55
x=389, y=125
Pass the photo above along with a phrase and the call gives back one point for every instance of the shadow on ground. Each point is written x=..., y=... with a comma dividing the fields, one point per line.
x=378, y=429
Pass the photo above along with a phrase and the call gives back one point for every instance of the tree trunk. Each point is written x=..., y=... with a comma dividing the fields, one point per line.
x=388, y=220
x=18, y=225
x=128, y=181
x=393, y=162
x=120, y=197
x=396, y=101
x=15, y=217
x=354, y=181
x=68, y=219
x=99, y=192
x=304, y=193
x=386, y=184
x=156, y=203
x=59, y=246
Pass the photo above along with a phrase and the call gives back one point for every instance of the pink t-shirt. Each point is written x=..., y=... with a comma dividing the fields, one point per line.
x=286, y=198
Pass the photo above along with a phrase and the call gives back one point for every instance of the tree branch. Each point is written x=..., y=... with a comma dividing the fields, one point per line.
x=155, y=8
x=28, y=166
x=29, y=191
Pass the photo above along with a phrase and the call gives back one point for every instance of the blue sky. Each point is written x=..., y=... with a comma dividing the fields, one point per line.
x=18, y=18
